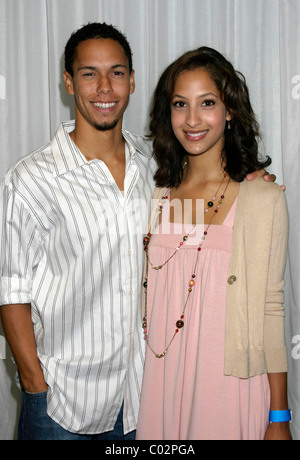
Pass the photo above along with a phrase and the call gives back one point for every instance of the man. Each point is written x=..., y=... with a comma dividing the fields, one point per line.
x=72, y=214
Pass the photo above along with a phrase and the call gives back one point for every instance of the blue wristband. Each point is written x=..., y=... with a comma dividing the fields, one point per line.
x=280, y=416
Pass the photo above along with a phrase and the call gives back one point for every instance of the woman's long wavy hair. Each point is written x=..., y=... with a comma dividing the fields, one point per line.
x=240, y=153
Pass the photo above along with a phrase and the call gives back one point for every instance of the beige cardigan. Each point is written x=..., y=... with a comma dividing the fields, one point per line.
x=254, y=336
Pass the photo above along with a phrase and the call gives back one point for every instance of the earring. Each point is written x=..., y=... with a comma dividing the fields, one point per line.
x=228, y=124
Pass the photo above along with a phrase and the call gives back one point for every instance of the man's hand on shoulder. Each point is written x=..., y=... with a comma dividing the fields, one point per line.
x=263, y=173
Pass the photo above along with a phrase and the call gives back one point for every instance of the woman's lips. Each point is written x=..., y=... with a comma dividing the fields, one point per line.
x=195, y=136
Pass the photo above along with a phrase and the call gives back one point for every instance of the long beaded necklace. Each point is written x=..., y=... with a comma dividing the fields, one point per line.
x=191, y=284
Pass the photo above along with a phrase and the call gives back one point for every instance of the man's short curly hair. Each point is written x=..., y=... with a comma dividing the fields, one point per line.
x=90, y=31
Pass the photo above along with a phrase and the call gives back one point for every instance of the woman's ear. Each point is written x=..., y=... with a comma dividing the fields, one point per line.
x=228, y=116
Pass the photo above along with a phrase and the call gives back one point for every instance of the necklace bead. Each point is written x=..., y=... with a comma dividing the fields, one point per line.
x=179, y=324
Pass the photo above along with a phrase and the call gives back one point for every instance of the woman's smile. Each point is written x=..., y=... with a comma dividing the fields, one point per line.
x=195, y=136
x=198, y=114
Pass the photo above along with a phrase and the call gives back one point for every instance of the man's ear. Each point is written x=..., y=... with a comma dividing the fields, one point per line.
x=132, y=82
x=68, y=83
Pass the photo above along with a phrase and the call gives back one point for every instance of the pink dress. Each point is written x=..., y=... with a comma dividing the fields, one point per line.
x=185, y=395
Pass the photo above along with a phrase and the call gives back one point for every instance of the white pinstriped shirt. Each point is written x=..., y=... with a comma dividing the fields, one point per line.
x=72, y=247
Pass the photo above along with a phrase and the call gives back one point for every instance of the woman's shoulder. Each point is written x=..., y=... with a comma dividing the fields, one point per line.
x=261, y=205
x=260, y=188
x=259, y=197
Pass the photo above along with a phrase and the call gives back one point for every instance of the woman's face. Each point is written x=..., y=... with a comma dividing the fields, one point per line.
x=198, y=115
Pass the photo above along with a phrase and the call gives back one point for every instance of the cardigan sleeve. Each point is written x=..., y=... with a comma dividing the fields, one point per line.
x=274, y=337
x=254, y=334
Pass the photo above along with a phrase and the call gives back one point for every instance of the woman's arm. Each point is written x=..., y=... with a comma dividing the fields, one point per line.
x=18, y=328
x=278, y=387
x=275, y=348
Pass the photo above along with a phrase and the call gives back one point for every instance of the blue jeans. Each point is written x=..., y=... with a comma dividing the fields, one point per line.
x=36, y=425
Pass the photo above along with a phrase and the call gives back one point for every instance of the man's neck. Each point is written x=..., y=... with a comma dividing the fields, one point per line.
x=101, y=145
x=108, y=146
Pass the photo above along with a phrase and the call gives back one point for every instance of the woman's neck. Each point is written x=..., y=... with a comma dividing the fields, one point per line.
x=199, y=171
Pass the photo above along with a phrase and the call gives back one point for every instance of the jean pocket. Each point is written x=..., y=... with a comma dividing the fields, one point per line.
x=36, y=395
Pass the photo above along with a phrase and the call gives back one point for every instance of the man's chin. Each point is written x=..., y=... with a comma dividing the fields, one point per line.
x=106, y=126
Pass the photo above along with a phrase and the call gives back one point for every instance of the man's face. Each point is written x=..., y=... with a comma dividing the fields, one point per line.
x=101, y=83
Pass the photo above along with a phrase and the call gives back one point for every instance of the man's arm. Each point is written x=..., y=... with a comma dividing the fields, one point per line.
x=18, y=328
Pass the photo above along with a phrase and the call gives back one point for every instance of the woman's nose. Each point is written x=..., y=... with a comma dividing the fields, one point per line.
x=193, y=118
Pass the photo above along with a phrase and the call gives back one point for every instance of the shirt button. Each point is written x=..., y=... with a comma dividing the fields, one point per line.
x=131, y=292
x=129, y=253
x=231, y=279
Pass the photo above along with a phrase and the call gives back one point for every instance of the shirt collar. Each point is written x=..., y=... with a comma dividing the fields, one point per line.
x=68, y=157
x=138, y=143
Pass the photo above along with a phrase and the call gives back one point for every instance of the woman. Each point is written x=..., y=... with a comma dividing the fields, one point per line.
x=214, y=319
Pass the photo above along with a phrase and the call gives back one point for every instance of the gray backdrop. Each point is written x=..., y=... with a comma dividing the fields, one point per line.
x=260, y=37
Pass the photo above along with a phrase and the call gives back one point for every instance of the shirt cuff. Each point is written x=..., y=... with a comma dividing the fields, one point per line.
x=15, y=291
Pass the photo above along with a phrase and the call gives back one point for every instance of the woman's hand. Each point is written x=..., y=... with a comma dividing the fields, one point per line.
x=278, y=432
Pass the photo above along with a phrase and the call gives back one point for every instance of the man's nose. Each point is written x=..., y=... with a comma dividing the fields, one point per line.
x=104, y=85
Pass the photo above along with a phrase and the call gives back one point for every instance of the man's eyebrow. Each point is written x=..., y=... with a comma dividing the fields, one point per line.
x=89, y=67
x=119, y=65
